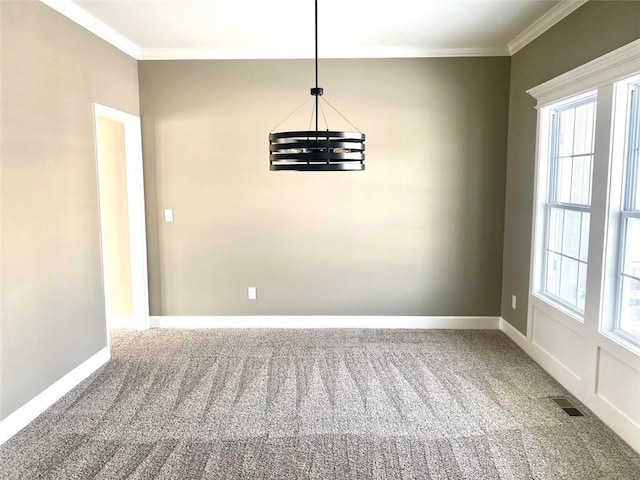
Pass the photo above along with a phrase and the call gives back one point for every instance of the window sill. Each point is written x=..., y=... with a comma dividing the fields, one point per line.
x=567, y=317
x=618, y=343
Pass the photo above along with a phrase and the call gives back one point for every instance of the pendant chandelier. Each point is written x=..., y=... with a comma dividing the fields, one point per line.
x=317, y=150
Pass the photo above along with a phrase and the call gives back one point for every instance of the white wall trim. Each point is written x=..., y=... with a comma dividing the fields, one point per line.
x=544, y=23
x=621, y=424
x=514, y=334
x=83, y=18
x=136, y=213
x=324, y=321
x=34, y=407
x=601, y=71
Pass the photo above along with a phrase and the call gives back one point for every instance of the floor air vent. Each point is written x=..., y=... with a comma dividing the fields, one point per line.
x=568, y=407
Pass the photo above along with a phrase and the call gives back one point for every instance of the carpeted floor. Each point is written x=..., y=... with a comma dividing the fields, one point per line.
x=321, y=404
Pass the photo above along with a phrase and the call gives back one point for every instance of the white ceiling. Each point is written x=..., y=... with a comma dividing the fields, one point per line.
x=284, y=28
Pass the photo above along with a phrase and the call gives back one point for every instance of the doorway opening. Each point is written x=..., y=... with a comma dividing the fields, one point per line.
x=122, y=218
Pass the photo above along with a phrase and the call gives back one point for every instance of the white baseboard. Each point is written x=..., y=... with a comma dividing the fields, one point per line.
x=34, y=407
x=328, y=321
x=514, y=334
x=126, y=321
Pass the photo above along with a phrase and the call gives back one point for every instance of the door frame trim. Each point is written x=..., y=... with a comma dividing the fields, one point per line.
x=136, y=209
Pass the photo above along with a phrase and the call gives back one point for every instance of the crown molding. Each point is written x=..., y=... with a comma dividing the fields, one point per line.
x=544, y=23
x=603, y=70
x=304, y=53
x=83, y=18
x=102, y=30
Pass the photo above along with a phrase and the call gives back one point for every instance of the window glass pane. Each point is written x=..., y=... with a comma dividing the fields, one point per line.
x=581, y=180
x=567, y=235
x=563, y=184
x=556, y=219
x=565, y=132
x=631, y=263
x=582, y=285
x=636, y=203
x=634, y=150
x=569, y=280
x=572, y=162
x=584, y=236
x=630, y=306
x=571, y=233
x=583, y=137
x=553, y=274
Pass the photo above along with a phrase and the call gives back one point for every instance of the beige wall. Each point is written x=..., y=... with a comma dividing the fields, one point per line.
x=591, y=31
x=53, y=315
x=418, y=233
x=116, y=250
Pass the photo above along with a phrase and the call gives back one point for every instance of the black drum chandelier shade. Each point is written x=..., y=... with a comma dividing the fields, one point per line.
x=317, y=150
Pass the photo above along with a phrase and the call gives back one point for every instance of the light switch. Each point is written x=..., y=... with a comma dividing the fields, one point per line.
x=168, y=215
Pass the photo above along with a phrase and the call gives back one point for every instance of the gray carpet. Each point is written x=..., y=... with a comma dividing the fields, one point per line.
x=320, y=404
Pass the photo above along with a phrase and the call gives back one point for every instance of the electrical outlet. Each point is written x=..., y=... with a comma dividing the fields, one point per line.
x=252, y=293
x=513, y=301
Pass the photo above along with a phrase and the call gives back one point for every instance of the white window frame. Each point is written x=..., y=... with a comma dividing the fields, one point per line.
x=612, y=289
x=599, y=77
x=548, y=197
x=630, y=207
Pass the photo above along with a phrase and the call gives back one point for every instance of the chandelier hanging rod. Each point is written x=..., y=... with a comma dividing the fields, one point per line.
x=317, y=91
x=316, y=150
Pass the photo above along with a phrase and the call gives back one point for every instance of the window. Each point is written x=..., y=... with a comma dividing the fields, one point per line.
x=585, y=255
x=628, y=318
x=568, y=203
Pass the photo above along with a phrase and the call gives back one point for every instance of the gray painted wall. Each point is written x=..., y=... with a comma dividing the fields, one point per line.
x=53, y=315
x=594, y=29
x=418, y=233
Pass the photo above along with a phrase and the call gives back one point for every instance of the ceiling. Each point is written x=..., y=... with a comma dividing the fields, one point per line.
x=174, y=29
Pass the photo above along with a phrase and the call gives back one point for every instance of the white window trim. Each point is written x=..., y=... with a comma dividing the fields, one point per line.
x=565, y=314
x=599, y=75
x=613, y=259
x=605, y=70
x=545, y=203
x=596, y=365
